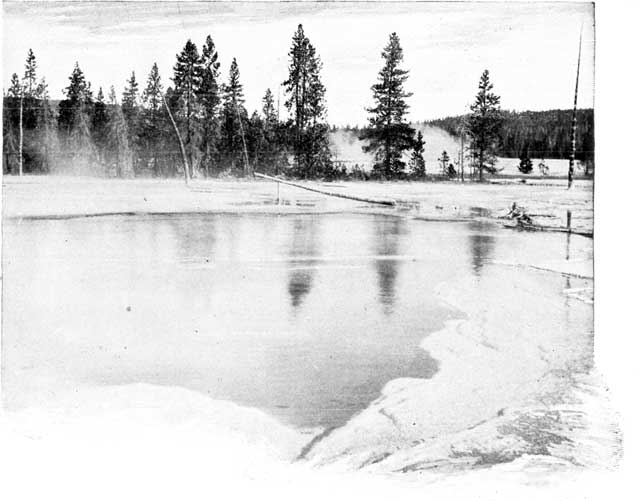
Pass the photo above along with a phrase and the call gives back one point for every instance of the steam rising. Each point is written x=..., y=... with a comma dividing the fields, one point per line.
x=347, y=147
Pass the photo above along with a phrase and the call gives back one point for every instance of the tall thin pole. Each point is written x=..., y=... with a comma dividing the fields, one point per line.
x=574, y=119
x=462, y=157
x=20, y=144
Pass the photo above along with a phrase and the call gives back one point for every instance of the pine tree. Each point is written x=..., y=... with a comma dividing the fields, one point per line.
x=78, y=100
x=130, y=98
x=29, y=79
x=30, y=106
x=306, y=103
x=316, y=145
x=416, y=164
x=152, y=94
x=295, y=85
x=389, y=134
x=444, y=163
x=9, y=127
x=81, y=144
x=255, y=136
x=210, y=100
x=187, y=78
x=50, y=147
x=15, y=88
x=131, y=111
x=234, y=119
x=153, y=125
x=268, y=108
x=99, y=122
x=12, y=108
x=483, y=127
x=99, y=113
x=273, y=154
x=74, y=120
x=526, y=165
x=118, y=138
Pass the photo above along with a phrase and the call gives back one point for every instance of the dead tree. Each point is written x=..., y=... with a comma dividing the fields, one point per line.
x=21, y=133
x=185, y=162
x=574, y=120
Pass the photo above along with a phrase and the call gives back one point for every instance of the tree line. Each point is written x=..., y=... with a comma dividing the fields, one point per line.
x=536, y=134
x=199, y=125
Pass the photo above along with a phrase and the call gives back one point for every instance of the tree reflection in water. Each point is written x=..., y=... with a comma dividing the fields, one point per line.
x=304, y=247
x=387, y=235
x=481, y=244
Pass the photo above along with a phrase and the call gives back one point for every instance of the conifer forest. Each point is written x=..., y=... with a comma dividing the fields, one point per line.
x=194, y=123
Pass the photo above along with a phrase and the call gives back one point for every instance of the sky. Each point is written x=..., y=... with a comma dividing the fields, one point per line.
x=529, y=48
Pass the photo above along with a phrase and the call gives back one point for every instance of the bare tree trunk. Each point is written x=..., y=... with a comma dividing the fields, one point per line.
x=387, y=202
x=247, y=169
x=21, y=139
x=182, y=151
x=462, y=157
x=574, y=120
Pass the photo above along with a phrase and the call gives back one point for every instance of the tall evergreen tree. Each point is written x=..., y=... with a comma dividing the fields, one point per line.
x=78, y=99
x=256, y=140
x=268, y=108
x=118, y=138
x=131, y=112
x=12, y=110
x=99, y=112
x=28, y=125
x=273, y=156
x=210, y=101
x=389, y=135
x=30, y=84
x=99, y=122
x=74, y=120
x=81, y=145
x=50, y=147
x=316, y=146
x=416, y=164
x=153, y=125
x=15, y=87
x=296, y=84
x=10, y=106
x=483, y=126
x=444, y=163
x=130, y=98
x=234, y=120
x=306, y=103
x=187, y=78
x=152, y=94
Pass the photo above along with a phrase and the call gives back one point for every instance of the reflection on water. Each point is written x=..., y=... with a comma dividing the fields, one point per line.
x=482, y=243
x=204, y=303
x=387, y=233
x=303, y=249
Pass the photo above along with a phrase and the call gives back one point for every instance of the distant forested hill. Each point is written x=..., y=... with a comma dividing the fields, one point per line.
x=546, y=134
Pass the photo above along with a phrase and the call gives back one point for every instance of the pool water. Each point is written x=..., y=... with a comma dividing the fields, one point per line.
x=306, y=317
